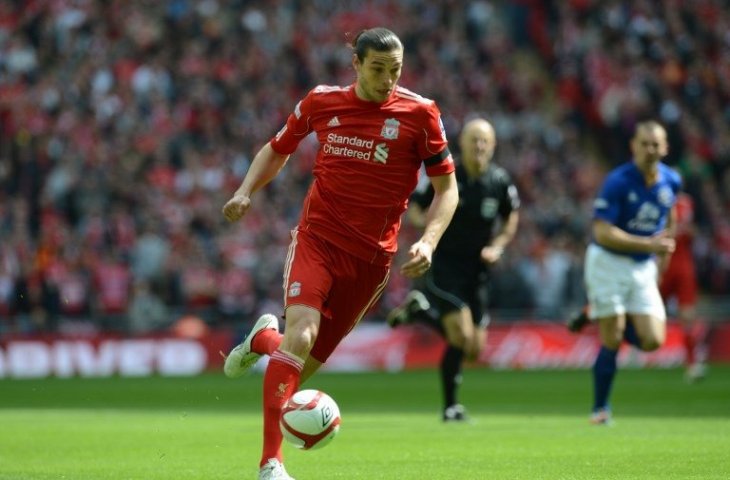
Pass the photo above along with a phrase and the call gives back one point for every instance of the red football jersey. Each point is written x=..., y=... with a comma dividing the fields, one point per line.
x=367, y=165
x=685, y=220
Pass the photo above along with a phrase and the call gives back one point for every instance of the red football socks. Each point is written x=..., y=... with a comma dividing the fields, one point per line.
x=266, y=341
x=281, y=380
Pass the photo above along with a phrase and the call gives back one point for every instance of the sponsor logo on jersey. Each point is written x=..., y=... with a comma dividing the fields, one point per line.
x=489, y=207
x=381, y=153
x=390, y=129
x=334, y=122
x=295, y=289
x=350, y=147
x=665, y=197
x=646, y=218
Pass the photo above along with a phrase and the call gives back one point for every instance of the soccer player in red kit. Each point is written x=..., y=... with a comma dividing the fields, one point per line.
x=679, y=282
x=374, y=136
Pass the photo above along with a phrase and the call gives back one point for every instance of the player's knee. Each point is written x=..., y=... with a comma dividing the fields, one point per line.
x=613, y=341
x=473, y=350
x=456, y=336
x=651, y=344
x=301, y=334
x=457, y=340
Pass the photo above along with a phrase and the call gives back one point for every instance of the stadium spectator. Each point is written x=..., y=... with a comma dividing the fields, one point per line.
x=143, y=96
x=150, y=251
x=547, y=270
x=112, y=283
x=453, y=299
x=147, y=310
x=632, y=225
x=236, y=293
x=375, y=135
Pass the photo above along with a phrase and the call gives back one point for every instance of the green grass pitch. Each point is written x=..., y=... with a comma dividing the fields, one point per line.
x=527, y=425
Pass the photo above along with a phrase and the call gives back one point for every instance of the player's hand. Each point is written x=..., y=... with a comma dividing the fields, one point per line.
x=236, y=207
x=490, y=254
x=663, y=243
x=420, y=261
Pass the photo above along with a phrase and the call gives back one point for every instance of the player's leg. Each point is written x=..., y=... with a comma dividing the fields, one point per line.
x=282, y=377
x=651, y=330
x=694, y=336
x=307, y=282
x=451, y=372
x=671, y=289
x=645, y=307
x=357, y=286
x=447, y=286
x=688, y=319
x=605, y=366
x=460, y=333
x=477, y=343
x=606, y=275
x=263, y=339
x=693, y=327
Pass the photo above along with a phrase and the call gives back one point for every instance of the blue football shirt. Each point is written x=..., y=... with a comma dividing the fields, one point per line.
x=626, y=202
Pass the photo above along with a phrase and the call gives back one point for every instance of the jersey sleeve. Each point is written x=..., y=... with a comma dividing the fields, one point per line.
x=607, y=204
x=434, y=148
x=297, y=127
x=510, y=200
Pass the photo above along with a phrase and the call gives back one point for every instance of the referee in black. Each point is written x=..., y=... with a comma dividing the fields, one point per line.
x=454, y=293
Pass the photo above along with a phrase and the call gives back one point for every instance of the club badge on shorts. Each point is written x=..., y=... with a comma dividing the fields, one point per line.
x=295, y=289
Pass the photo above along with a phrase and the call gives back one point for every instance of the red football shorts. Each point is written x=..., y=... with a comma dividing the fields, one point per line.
x=679, y=281
x=341, y=286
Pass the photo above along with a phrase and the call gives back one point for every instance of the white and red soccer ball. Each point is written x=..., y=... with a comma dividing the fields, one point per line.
x=310, y=419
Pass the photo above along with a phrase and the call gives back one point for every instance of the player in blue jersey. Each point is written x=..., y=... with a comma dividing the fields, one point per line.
x=633, y=221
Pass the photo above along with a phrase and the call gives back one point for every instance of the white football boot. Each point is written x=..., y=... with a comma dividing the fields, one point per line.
x=695, y=372
x=273, y=469
x=602, y=416
x=241, y=358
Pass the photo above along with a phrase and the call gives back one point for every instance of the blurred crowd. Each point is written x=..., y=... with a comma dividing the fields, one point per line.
x=125, y=126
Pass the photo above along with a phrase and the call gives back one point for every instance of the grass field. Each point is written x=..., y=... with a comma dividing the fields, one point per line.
x=527, y=425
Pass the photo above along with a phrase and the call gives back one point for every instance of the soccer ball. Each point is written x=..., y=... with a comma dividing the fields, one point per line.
x=310, y=419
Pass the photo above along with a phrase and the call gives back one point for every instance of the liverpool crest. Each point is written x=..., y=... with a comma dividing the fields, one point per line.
x=295, y=289
x=390, y=129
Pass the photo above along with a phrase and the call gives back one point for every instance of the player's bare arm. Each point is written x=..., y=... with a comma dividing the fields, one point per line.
x=438, y=216
x=265, y=166
x=610, y=236
x=493, y=252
